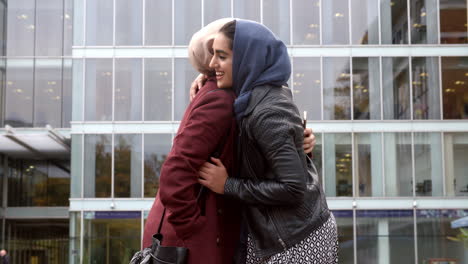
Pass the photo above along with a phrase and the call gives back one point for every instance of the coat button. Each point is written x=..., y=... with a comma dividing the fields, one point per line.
x=220, y=211
x=217, y=241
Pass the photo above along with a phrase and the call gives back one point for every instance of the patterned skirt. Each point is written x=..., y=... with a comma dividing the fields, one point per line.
x=321, y=246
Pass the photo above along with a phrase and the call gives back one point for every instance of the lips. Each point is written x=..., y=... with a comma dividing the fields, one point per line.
x=219, y=75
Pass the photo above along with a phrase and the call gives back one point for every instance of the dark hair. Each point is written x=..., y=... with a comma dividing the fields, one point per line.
x=229, y=29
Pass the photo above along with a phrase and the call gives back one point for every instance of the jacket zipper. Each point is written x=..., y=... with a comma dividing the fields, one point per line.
x=280, y=240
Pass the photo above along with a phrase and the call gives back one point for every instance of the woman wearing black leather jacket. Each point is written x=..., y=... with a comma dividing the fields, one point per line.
x=286, y=213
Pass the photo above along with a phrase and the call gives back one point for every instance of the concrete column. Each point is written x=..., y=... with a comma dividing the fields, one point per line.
x=391, y=173
x=449, y=165
x=383, y=243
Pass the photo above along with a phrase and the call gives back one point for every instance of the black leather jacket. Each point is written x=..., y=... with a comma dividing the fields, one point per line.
x=283, y=202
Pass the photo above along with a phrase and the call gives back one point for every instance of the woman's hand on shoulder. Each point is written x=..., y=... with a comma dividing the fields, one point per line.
x=213, y=176
x=197, y=84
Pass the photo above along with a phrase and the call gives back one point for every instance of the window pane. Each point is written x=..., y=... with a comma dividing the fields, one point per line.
x=456, y=158
x=364, y=22
x=428, y=164
x=49, y=28
x=276, y=18
x=75, y=236
x=128, y=90
x=426, y=93
x=366, y=88
x=19, y=93
x=338, y=165
x=453, y=21
x=48, y=93
x=58, y=184
x=158, y=22
x=158, y=89
x=434, y=233
x=76, y=165
x=68, y=27
x=344, y=220
x=216, y=9
x=307, y=87
x=99, y=22
x=67, y=92
x=455, y=87
x=77, y=89
x=335, y=17
x=111, y=237
x=396, y=89
x=306, y=22
x=188, y=17
x=423, y=21
x=394, y=21
x=127, y=165
x=385, y=235
x=336, y=92
x=97, y=165
x=3, y=28
x=157, y=147
x=398, y=165
x=368, y=152
x=78, y=23
x=317, y=153
x=128, y=22
x=184, y=75
x=247, y=9
x=98, y=90
x=21, y=27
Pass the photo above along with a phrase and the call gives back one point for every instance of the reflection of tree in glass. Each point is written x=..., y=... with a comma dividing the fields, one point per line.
x=103, y=168
x=122, y=168
x=152, y=168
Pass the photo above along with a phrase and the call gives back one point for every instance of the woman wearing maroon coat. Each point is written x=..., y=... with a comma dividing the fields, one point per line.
x=208, y=227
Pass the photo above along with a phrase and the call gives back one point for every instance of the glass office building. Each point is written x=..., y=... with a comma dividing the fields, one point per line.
x=92, y=92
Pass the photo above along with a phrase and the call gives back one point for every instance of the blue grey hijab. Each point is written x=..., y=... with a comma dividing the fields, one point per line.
x=259, y=58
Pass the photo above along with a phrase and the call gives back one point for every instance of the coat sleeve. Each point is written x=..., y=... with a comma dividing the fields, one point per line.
x=275, y=138
x=208, y=123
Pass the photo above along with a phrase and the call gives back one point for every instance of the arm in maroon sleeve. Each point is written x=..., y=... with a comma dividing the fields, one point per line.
x=208, y=123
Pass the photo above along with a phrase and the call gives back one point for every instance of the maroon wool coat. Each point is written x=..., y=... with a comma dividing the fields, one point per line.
x=208, y=122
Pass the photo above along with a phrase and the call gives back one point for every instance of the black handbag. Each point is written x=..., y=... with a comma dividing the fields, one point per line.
x=158, y=254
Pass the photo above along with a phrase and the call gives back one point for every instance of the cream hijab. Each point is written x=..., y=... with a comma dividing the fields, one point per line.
x=200, y=47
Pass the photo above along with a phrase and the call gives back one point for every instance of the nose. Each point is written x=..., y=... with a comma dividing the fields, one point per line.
x=212, y=63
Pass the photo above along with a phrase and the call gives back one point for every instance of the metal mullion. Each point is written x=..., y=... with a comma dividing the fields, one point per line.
x=444, y=184
x=353, y=164
x=112, y=165
x=232, y=8
x=354, y=234
x=409, y=21
x=202, y=12
x=173, y=89
x=142, y=165
x=323, y=161
x=379, y=19
x=84, y=90
x=82, y=164
x=113, y=22
x=143, y=90
x=381, y=88
x=34, y=67
x=413, y=162
x=113, y=89
x=321, y=25
x=415, y=234
x=261, y=11
x=143, y=23
x=321, y=87
x=441, y=94
x=382, y=140
x=438, y=22
x=173, y=23
x=351, y=87
x=142, y=227
x=290, y=23
x=81, y=236
x=350, y=37
x=84, y=21
x=410, y=66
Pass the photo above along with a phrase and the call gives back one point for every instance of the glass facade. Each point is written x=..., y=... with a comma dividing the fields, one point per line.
x=384, y=82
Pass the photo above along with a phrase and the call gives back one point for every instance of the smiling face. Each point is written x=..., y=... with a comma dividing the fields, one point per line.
x=221, y=62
